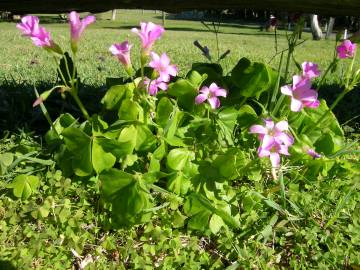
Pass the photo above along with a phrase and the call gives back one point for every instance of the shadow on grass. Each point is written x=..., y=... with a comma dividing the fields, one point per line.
x=348, y=110
x=17, y=112
x=189, y=29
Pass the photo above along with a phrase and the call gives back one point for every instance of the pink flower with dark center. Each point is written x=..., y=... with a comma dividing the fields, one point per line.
x=78, y=26
x=122, y=52
x=274, y=140
x=273, y=151
x=162, y=66
x=346, y=49
x=301, y=94
x=211, y=94
x=153, y=86
x=28, y=25
x=310, y=70
x=149, y=33
x=313, y=153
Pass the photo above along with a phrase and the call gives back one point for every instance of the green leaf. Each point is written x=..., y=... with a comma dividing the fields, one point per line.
x=116, y=94
x=24, y=185
x=129, y=110
x=185, y=93
x=6, y=159
x=199, y=206
x=163, y=111
x=101, y=160
x=145, y=139
x=195, y=78
x=231, y=164
x=213, y=71
x=178, y=158
x=173, y=123
x=251, y=78
x=79, y=144
x=179, y=184
x=247, y=116
x=216, y=223
x=114, y=180
x=127, y=138
x=128, y=196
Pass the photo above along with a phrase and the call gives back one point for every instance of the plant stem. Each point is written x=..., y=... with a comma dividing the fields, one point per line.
x=45, y=112
x=282, y=97
x=325, y=74
x=79, y=103
x=325, y=114
x=276, y=89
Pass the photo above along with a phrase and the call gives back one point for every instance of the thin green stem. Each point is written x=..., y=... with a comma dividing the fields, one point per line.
x=68, y=71
x=349, y=72
x=282, y=97
x=325, y=74
x=276, y=88
x=46, y=113
x=325, y=114
x=81, y=106
x=60, y=73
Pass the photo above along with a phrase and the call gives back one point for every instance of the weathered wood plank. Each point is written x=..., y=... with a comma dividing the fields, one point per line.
x=325, y=7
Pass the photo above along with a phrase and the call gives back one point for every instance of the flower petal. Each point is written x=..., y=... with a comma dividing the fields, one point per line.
x=200, y=98
x=267, y=142
x=214, y=102
x=296, y=105
x=286, y=90
x=258, y=129
x=275, y=159
x=281, y=126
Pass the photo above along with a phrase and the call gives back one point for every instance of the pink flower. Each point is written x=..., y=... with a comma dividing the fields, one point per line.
x=149, y=33
x=346, y=49
x=273, y=140
x=310, y=70
x=301, y=94
x=211, y=94
x=162, y=66
x=313, y=153
x=153, y=86
x=271, y=132
x=28, y=25
x=40, y=37
x=122, y=52
x=273, y=151
x=78, y=26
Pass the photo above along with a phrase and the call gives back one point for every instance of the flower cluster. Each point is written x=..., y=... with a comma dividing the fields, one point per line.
x=274, y=140
x=300, y=91
x=163, y=70
x=30, y=27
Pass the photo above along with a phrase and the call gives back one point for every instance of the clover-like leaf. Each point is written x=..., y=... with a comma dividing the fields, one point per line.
x=79, y=144
x=24, y=185
x=179, y=158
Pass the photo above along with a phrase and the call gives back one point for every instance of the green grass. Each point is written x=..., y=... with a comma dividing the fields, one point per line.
x=22, y=62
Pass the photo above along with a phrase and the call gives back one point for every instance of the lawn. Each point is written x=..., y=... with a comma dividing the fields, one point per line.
x=23, y=62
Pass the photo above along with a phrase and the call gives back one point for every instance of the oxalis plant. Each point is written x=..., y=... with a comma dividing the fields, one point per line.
x=189, y=142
